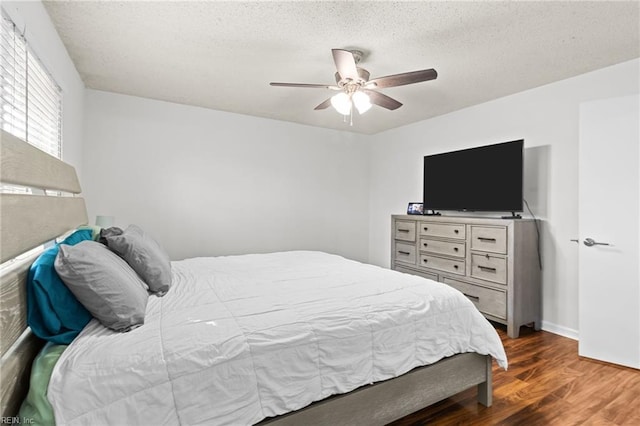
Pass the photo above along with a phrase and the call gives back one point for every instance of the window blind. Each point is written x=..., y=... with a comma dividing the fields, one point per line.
x=30, y=100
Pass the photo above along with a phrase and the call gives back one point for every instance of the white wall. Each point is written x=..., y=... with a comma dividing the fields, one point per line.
x=547, y=118
x=33, y=20
x=207, y=182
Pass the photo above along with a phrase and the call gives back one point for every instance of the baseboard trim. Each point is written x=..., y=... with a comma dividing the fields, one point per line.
x=560, y=330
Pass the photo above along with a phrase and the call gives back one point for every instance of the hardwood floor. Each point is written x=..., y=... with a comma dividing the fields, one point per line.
x=547, y=383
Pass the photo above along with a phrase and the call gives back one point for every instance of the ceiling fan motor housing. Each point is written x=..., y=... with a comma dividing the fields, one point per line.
x=362, y=73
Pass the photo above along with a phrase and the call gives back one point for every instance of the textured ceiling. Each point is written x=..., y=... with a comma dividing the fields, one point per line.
x=222, y=55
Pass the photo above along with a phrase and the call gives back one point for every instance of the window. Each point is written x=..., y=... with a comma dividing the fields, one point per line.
x=31, y=100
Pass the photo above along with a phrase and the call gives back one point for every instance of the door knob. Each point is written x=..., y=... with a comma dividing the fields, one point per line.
x=589, y=242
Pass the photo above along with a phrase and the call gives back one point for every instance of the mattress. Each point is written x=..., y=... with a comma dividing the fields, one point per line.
x=241, y=338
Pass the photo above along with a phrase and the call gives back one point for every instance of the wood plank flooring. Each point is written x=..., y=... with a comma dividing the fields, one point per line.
x=547, y=383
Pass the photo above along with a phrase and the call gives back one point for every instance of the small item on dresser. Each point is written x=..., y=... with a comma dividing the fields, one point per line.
x=415, y=208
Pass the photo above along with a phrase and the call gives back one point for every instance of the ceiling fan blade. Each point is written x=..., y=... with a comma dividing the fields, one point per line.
x=403, y=79
x=305, y=85
x=382, y=100
x=326, y=104
x=345, y=64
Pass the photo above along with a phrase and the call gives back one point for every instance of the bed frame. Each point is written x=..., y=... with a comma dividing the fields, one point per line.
x=28, y=221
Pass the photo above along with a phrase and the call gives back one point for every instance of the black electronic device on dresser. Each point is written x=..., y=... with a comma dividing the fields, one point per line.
x=485, y=179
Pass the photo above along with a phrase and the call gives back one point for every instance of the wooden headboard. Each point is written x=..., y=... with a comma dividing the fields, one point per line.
x=48, y=209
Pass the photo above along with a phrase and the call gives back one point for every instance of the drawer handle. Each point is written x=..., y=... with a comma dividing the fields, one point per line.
x=425, y=228
x=474, y=298
x=455, y=266
x=487, y=269
x=425, y=244
x=457, y=231
x=403, y=230
x=455, y=249
x=404, y=252
x=487, y=239
x=425, y=260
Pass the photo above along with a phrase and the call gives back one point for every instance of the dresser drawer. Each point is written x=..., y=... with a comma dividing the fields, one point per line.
x=487, y=300
x=423, y=274
x=448, y=248
x=445, y=230
x=442, y=264
x=488, y=267
x=405, y=230
x=489, y=238
x=405, y=253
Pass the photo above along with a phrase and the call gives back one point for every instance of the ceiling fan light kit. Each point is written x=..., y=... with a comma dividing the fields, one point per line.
x=362, y=101
x=355, y=88
x=342, y=103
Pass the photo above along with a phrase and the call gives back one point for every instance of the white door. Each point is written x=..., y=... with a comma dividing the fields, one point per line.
x=609, y=213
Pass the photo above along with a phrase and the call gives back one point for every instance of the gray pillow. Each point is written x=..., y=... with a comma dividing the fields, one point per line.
x=104, y=284
x=105, y=232
x=145, y=256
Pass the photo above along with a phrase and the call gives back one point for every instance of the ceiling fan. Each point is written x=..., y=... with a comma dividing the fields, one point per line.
x=356, y=89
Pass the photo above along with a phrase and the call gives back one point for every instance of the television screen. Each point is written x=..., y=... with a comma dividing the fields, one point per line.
x=486, y=178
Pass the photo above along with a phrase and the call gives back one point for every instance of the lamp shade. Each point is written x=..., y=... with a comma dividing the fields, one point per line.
x=105, y=221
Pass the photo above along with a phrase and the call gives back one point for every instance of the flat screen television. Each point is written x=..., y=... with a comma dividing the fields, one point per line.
x=483, y=179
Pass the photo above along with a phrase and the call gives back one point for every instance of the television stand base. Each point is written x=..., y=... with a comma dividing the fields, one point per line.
x=513, y=216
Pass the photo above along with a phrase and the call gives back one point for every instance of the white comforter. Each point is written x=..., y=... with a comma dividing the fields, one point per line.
x=241, y=338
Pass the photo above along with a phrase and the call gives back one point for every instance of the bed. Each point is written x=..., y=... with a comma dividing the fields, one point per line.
x=398, y=372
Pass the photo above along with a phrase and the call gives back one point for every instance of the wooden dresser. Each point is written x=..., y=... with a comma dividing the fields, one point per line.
x=494, y=262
